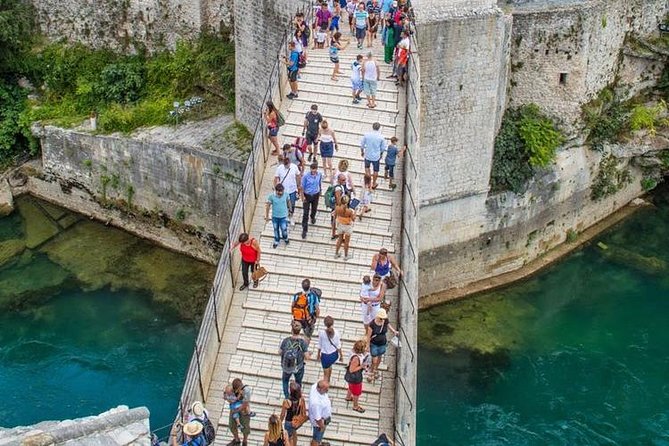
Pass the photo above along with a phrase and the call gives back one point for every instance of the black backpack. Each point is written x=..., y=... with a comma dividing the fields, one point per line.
x=208, y=430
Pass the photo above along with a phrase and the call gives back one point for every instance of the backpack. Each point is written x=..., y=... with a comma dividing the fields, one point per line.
x=208, y=430
x=330, y=198
x=303, y=308
x=280, y=120
x=292, y=359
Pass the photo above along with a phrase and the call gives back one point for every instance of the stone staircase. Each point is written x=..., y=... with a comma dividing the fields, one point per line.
x=260, y=318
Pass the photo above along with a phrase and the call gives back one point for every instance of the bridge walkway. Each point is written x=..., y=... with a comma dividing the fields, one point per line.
x=260, y=318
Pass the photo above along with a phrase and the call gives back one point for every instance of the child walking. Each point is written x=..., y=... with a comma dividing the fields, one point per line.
x=366, y=198
x=391, y=159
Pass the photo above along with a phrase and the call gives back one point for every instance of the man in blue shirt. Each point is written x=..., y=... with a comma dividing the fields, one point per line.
x=372, y=146
x=311, y=191
x=292, y=64
x=278, y=202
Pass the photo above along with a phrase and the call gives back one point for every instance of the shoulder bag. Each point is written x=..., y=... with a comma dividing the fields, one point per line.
x=301, y=416
x=353, y=377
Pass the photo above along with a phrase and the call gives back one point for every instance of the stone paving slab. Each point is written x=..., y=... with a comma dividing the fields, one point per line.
x=259, y=318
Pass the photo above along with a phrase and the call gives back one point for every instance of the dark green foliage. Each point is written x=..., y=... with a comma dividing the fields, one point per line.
x=648, y=184
x=121, y=82
x=606, y=118
x=12, y=103
x=610, y=179
x=129, y=92
x=526, y=140
x=16, y=27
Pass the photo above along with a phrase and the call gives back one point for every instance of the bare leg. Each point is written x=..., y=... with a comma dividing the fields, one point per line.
x=327, y=373
x=275, y=143
x=347, y=240
x=340, y=240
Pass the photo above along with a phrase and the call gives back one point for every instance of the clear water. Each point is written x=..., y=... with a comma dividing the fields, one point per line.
x=89, y=319
x=578, y=355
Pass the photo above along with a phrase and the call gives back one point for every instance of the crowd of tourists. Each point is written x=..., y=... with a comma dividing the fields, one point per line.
x=298, y=177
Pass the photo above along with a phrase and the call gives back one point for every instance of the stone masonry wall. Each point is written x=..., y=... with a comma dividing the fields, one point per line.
x=564, y=53
x=172, y=171
x=116, y=427
x=466, y=234
x=127, y=25
x=463, y=55
x=259, y=30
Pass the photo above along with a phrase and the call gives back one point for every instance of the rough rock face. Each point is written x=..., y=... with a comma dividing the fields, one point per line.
x=6, y=199
x=119, y=426
x=129, y=25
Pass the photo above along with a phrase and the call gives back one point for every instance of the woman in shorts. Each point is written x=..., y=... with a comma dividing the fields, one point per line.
x=329, y=347
x=356, y=363
x=344, y=216
x=327, y=146
x=272, y=121
x=335, y=47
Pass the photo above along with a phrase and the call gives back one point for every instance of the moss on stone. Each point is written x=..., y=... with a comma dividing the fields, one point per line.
x=10, y=249
x=484, y=324
x=38, y=227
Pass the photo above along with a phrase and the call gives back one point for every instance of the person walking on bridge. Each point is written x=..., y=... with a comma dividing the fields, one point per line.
x=311, y=191
x=292, y=64
x=293, y=351
x=305, y=307
x=370, y=79
x=278, y=202
x=320, y=411
x=250, y=251
x=372, y=146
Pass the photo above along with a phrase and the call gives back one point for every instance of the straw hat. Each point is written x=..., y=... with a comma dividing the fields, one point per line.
x=197, y=409
x=193, y=428
x=381, y=314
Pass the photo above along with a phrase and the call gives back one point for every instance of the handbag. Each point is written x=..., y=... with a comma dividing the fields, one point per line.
x=390, y=281
x=352, y=377
x=259, y=274
x=300, y=417
x=354, y=203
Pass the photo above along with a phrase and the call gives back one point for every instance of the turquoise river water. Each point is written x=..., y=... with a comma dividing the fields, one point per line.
x=91, y=318
x=578, y=355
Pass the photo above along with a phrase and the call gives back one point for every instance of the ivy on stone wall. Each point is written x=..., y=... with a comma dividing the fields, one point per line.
x=605, y=118
x=610, y=178
x=527, y=140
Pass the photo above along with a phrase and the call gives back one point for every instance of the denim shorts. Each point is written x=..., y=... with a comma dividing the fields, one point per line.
x=317, y=434
x=273, y=131
x=377, y=350
x=356, y=85
x=288, y=426
x=376, y=164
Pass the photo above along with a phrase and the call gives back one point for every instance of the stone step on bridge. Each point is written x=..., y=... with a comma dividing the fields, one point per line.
x=260, y=318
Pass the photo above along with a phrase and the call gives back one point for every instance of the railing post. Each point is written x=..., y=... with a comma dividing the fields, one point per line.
x=215, y=295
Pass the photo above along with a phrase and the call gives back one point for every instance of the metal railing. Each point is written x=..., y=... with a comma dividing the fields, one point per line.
x=205, y=352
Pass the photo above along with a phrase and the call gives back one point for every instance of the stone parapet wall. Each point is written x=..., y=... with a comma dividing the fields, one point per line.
x=175, y=172
x=500, y=233
x=116, y=427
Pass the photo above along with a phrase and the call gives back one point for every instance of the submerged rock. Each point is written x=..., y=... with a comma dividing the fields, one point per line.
x=10, y=249
x=39, y=228
x=639, y=262
x=6, y=199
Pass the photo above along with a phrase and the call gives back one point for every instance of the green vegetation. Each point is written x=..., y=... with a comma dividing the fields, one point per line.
x=610, y=179
x=16, y=27
x=572, y=236
x=605, y=117
x=128, y=92
x=527, y=140
x=648, y=118
x=125, y=91
x=648, y=184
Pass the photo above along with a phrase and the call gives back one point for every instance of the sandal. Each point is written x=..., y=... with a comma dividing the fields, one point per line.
x=349, y=398
x=359, y=409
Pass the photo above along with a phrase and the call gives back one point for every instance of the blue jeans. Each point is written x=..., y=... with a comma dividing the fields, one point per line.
x=293, y=198
x=280, y=223
x=285, y=378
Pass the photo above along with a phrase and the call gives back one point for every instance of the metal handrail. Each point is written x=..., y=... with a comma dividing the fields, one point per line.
x=406, y=338
x=398, y=436
x=413, y=203
x=413, y=252
x=406, y=290
x=401, y=381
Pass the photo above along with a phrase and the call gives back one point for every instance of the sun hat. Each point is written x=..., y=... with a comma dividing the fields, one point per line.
x=193, y=428
x=197, y=409
x=381, y=314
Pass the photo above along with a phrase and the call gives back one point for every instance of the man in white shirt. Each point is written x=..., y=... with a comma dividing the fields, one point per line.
x=288, y=175
x=320, y=411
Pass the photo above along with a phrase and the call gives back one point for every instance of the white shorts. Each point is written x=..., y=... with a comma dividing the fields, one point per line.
x=367, y=318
